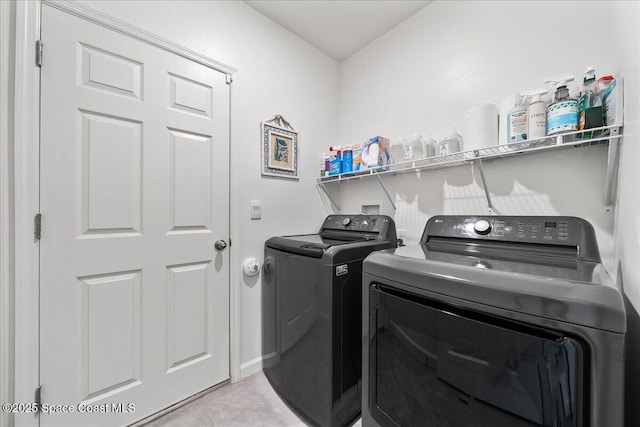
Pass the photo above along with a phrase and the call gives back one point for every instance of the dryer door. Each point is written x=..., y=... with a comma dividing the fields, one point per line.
x=434, y=364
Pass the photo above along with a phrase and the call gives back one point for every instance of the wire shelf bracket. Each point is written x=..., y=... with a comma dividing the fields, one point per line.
x=393, y=203
x=612, y=166
x=326, y=193
x=487, y=193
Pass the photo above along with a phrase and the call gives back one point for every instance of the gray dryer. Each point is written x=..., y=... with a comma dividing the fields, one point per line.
x=493, y=321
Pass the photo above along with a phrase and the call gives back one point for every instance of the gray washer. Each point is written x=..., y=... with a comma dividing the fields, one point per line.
x=460, y=300
x=311, y=314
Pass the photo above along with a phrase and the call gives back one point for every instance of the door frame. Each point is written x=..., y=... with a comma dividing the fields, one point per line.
x=27, y=187
x=7, y=15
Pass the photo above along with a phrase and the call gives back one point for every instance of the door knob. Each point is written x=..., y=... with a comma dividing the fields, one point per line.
x=220, y=244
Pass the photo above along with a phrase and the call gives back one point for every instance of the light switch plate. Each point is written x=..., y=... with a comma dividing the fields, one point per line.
x=256, y=209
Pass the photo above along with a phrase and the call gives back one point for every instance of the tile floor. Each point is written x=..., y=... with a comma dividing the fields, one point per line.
x=249, y=402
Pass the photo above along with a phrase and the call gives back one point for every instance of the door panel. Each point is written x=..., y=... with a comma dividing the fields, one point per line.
x=110, y=72
x=190, y=96
x=111, y=311
x=134, y=193
x=111, y=154
x=187, y=313
x=191, y=181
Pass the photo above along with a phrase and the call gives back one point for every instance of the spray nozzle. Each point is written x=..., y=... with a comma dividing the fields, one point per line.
x=560, y=80
x=562, y=92
x=536, y=94
x=589, y=74
x=523, y=98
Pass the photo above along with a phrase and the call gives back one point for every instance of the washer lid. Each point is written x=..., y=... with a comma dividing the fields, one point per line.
x=595, y=302
x=313, y=245
x=339, y=230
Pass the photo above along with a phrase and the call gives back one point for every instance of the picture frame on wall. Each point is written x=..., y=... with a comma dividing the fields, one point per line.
x=279, y=151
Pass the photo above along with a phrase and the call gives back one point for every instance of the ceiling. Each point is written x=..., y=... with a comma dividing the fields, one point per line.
x=338, y=27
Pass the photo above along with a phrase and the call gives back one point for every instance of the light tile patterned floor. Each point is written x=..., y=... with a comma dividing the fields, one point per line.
x=249, y=402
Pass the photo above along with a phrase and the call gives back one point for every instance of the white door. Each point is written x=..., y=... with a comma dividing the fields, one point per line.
x=134, y=193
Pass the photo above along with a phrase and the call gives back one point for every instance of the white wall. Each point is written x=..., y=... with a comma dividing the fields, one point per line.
x=450, y=56
x=453, y=55
x=278, y=73
x=625, y=19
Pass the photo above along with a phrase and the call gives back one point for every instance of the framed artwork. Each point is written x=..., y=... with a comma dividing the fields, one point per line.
x=279, y=151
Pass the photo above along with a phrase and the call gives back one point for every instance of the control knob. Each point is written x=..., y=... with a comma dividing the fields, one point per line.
x=346, y=221
x=482, y=227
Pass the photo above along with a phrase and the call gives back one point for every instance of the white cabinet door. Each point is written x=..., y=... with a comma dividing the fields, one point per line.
x=134, y=193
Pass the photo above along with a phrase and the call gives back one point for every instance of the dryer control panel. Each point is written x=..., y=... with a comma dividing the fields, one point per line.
x=544, y=230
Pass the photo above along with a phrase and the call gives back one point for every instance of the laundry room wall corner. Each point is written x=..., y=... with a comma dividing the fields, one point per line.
x=425, y=79
x=625, y=19
x=278, y=73
x=443, y=76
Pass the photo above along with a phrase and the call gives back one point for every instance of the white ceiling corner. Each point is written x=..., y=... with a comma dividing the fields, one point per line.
x=338, y=27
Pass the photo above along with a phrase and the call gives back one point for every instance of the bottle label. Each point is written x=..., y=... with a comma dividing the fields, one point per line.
x=335, y=167
x=538, y=124
x=537, y=121
x=562, y=117
x=518, y=126
x=408, y=152
x=583, y=104
x=347, y=161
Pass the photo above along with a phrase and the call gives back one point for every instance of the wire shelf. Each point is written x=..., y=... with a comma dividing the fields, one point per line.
x=595, y=136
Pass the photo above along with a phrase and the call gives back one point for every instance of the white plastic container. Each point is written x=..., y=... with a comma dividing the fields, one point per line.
x=413, y=149
x=430, y=146
x=517, y=122
x=537, y=111
x=506, y=104
x=397, y=150
x=451, y=143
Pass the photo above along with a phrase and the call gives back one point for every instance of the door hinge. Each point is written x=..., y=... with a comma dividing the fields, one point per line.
x=39, y=52
x=37, y=226
x=229, y=79
x=38, y=398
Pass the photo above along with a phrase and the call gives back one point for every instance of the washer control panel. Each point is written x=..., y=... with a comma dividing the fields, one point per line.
x=555, y=230
x=361, y=223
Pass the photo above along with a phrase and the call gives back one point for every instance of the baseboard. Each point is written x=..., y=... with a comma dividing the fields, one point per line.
x=251, y=367
x=175, y=406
